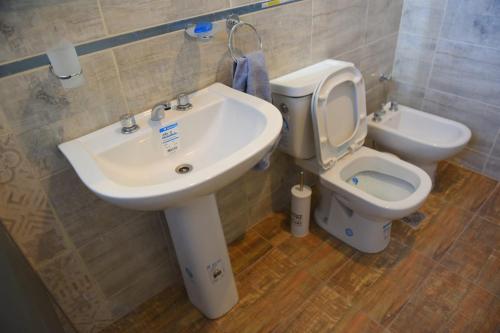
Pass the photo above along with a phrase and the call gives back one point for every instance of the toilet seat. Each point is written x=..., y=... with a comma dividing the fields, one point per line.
x=395, y=173
x=338, y=110
x=391, y=188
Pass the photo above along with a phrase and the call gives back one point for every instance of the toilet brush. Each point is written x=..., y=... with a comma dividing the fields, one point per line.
x=301, y=207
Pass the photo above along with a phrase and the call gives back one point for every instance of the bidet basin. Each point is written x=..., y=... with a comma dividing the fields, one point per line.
x=418, y=137
x=176, y=164
x=219, y=139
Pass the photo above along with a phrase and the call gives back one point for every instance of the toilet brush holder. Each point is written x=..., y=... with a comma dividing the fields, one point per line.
x=301, y=208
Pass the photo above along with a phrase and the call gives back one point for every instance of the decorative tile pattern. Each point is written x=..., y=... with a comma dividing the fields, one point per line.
x=43, y=114
x=24, y=208
x=76, y=292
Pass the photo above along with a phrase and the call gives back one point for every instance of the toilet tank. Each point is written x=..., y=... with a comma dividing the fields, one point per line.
x=292, y=94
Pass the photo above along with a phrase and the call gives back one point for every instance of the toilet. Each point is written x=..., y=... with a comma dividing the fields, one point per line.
x=325, y=126
x=418, y=137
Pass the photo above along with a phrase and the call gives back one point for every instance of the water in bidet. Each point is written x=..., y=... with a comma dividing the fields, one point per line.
x=382, y=186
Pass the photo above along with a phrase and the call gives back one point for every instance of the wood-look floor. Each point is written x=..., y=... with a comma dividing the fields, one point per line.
x=442, y=277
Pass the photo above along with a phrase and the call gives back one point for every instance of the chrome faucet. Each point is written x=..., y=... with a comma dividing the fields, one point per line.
x=394, y=106
x=158, y=111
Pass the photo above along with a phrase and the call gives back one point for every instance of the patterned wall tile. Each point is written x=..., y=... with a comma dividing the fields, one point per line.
x=43, y=114
x=30, y=27
x=338, y=26
x=467, y=70
x=423, y=17
x=84, y=216
x=24, y=208
x=383, y=18
x=76, y=292
x=473, y=21
x=407, y=94
x=129, y=15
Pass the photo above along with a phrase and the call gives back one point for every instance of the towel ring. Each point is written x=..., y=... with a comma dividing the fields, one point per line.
x=233, y=31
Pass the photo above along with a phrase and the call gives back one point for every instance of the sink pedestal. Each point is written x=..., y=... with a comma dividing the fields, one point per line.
x=199, y=242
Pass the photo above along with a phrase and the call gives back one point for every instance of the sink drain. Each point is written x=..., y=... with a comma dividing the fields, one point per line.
x=184, y=168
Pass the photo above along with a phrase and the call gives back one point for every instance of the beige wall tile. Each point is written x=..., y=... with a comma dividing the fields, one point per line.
x=157, y=69
x=114, y=266
x=338, y=26
x=383, y=18
x=30, y=27
x=128, y=15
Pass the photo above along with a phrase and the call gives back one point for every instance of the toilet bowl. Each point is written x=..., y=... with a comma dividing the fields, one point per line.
x=418, y=137
x=363, y=190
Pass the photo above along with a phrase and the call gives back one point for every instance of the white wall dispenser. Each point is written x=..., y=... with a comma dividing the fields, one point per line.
x=64, y=64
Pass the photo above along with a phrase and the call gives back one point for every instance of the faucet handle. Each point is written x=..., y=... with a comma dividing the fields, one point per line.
x=183, y=103
x=394, y=106
x=128, y=123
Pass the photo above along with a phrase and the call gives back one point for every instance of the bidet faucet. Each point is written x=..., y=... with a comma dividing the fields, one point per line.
x=394, y=106
x=158, y=111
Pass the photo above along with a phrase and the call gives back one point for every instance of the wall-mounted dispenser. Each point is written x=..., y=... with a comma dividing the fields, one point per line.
x=64, y=64
x=202, y=31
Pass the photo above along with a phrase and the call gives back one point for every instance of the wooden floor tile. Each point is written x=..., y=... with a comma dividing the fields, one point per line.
x=436, y=234
x=275, y=228
x=490, y=274
x=471, y=251
x=434, y=304
x=357, y=322
x=461, y=187
x=472, y=312
x=491, y=208
x=247, y=250
x=442, y=277
x=385, y=299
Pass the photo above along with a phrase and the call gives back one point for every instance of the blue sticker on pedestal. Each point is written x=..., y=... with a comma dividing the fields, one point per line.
x=349, y=232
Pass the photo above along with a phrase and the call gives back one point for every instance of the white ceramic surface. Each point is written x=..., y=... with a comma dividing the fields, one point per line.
x=222, y=136
x=418, y=136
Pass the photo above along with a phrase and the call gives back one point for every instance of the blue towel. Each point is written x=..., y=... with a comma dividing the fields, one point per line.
x=250, y=75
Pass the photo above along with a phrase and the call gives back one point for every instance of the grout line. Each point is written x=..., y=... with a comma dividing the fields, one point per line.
x=438, y=36
x=101, y=13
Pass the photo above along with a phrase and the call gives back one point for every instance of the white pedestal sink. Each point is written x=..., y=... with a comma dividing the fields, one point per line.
x=220, y=138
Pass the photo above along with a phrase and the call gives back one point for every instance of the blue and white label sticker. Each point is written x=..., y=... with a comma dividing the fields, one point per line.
x=355, y=180
x=349, y=232
x=170, y=138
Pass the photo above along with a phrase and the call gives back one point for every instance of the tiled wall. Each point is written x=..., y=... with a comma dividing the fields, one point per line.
x=448, y=63
x=100, y=261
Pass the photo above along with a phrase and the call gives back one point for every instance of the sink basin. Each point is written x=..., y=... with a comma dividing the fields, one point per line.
x=176, y=165
x=221, y=137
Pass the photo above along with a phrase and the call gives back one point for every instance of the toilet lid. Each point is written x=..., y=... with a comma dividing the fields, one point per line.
x=338, y=111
